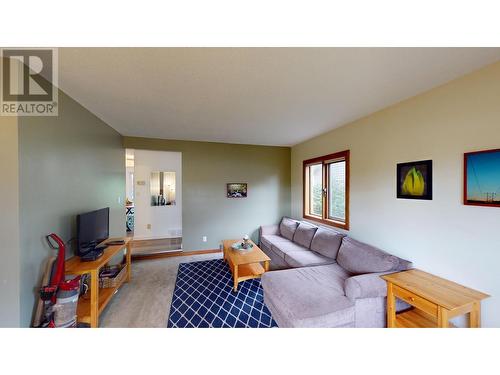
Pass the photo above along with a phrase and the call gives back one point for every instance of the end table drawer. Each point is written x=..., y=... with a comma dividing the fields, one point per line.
x=415, y=300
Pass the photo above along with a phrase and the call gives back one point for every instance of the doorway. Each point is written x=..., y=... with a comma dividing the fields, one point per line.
x=129, y=192
x=154, y=201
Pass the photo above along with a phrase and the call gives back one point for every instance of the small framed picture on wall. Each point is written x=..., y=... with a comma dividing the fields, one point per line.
x=237, y=190
x=414, y=180
x=482, y=178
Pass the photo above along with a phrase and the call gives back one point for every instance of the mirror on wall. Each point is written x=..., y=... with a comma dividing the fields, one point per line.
x=162, y=188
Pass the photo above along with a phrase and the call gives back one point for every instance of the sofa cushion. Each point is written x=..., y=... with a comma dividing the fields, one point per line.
x=306, y=258
x=327, y=242
x=271, y=239
x=309, y=297
x=304, y=234
x=277, y=262
x=358, y=258
x=288, y=227
x=269, y=229
x=283, y=248
x=403, y=265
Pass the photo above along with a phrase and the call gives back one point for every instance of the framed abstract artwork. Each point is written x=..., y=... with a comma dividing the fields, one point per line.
x=237, y=190
x=482, y=178
x=414, y=180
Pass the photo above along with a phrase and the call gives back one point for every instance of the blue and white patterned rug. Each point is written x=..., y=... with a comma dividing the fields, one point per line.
x=204, y=297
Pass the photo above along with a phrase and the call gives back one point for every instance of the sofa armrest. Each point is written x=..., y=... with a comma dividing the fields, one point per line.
x=269, y=229
x=369, y=285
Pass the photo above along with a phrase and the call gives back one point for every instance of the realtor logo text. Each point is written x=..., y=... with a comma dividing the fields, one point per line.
x=28, y=82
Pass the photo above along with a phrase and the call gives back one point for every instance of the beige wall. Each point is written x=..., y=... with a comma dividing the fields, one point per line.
x=442, y=236
x=206, y=168
x=68, y=164
x=9, y=223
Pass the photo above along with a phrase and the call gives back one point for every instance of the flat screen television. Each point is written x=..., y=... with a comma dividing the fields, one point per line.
x=92, y=229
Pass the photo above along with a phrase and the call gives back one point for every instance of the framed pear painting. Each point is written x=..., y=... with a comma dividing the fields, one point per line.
x=414, y=180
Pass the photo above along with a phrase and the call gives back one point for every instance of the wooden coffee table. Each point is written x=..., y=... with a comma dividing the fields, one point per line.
x=245, y=265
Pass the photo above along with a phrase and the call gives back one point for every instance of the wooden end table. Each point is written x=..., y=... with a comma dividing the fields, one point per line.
x=245, y=265
x=434, y=301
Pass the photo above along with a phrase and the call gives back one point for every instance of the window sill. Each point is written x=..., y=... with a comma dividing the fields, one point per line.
x=331, y=223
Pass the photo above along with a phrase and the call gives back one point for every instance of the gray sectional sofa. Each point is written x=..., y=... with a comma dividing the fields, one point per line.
x=322, y=278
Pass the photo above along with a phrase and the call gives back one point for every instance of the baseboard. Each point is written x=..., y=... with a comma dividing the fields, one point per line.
x=172, y=254
x=148, y=238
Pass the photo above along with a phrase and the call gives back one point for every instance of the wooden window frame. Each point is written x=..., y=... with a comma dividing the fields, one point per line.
x=325, y=161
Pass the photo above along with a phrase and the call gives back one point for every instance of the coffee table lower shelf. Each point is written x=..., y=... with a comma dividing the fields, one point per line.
x=242, y=272
x=249, y=271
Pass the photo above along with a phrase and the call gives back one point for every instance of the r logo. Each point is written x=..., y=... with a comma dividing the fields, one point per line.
x=29, y=80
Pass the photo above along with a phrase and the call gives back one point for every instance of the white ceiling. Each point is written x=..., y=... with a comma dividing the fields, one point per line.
x=269, y=96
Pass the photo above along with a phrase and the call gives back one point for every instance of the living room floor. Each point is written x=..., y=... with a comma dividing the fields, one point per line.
x=145, y=301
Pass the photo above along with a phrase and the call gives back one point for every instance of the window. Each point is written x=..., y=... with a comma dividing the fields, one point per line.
x=326, y=189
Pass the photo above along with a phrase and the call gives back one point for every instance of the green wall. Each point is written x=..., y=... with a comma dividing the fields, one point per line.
x=9, y=223
x=68, y=164
x=206, y=168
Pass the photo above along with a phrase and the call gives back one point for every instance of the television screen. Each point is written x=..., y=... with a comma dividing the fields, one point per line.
x=92, y=228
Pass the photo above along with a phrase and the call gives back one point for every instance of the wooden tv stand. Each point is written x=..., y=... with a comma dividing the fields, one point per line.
x=95, y=300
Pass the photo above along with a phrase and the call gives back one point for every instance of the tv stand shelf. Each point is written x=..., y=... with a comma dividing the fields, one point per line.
x=93, y=303
x=84, y=308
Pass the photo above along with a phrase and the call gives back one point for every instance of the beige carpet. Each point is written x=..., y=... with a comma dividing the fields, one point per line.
x=145, y=301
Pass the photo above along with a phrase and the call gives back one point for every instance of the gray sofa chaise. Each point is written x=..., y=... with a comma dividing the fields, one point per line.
x=322, y=278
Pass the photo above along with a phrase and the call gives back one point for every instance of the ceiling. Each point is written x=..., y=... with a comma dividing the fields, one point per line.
x=267, y=96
